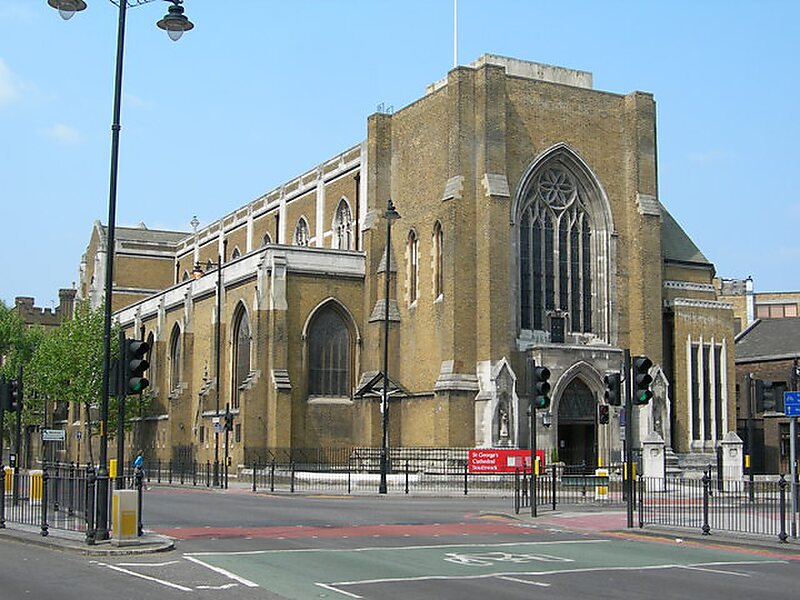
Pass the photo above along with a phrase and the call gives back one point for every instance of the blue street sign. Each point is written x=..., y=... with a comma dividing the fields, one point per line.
x=791, y=404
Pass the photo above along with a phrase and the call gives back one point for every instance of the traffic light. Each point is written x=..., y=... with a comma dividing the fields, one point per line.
x=613, y=388
x=539, y=386
x=14, y=391
x=642, y=380
x=602, y=414
x=228, y=420
x=135, y=364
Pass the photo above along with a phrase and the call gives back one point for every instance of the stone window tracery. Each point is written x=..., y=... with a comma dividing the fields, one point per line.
x=301, y=232
x=343, y=226
x=329, y=349
x=555, y=252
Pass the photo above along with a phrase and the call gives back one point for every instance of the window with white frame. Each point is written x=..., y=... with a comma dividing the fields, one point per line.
x=707, y=390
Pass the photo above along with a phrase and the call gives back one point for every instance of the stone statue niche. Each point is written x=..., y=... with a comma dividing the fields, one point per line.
x=503, y=418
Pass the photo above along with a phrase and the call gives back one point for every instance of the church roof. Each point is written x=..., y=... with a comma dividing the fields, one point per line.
x=676, y=244
x=141, y=233
x=769, y=339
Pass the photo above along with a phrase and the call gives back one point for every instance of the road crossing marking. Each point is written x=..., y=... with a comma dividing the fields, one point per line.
x=221, y=571
x=147, y=577
x=526, y=581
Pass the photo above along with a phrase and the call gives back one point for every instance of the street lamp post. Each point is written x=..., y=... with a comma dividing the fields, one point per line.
x=391, y=214
x=175, y=24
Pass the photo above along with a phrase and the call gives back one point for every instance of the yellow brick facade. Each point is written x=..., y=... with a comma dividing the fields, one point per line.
x=469, y=156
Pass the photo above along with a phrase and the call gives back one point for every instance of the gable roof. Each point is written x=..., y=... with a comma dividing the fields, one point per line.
x=769, y=339
x=676, y=244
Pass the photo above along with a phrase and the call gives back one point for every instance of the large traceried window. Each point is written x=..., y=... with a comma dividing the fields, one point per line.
x=555, y=257
x=301, y=234
x=175, y=357
x=241, y=352
x=412, y=252
x=438, y=276
x=343, y=226
x=329, y=349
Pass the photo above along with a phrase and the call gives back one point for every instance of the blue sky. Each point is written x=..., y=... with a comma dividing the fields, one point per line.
x=262, y=90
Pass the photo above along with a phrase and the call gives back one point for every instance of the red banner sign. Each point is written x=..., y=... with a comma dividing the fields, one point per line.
x=491, y=460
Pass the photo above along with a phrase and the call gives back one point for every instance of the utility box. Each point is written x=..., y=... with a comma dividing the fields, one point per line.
x=125, y=517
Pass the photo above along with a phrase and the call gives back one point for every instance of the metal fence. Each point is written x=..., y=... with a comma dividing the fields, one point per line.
x=58, y=496
x=569, y=484
x=760, y=508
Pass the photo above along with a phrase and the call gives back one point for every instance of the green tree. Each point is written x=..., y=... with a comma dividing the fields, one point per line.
x=18, y=343
x=68, y=367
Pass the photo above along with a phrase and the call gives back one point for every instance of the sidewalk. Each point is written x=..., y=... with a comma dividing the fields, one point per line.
x=615, y=522
x=74, y=541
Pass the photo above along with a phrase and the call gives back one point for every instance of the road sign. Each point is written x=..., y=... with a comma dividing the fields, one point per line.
x=53, y=435
x=791, y=404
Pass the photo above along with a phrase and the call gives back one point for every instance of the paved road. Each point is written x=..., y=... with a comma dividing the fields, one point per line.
x=308, y=547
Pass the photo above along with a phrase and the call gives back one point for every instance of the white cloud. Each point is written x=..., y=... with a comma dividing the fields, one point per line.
x=10, y=89
x=63, y=134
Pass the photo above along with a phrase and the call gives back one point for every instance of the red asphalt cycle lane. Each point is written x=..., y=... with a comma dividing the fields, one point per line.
x=301, y=531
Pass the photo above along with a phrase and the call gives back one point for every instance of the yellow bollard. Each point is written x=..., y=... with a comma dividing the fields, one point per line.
x=36, y=483
x=112, y=468
x=9, y=477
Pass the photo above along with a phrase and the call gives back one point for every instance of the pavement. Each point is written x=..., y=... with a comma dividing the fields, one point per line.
x=74, y=541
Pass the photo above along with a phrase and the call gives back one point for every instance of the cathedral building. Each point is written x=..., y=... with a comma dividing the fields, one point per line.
x=530, y=227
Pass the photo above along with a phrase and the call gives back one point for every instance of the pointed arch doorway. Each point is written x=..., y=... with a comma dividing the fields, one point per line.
x=577, y=425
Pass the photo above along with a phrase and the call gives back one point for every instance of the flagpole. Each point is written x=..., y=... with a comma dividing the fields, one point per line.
x=455, y=33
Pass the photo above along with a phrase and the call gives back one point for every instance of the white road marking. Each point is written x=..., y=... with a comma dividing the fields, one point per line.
x=147, y=577
x=527, y=581
x=147, y=564
x=370, y=548
x=720, y=571
x=226, y=586
x=333, y=589
x=222, y=571
x=542, y=573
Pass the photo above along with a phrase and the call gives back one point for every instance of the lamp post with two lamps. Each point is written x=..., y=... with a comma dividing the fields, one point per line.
x=175, y=23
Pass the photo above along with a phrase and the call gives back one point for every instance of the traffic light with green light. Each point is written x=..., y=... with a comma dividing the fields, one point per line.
x=642, y=380
x=135, y=364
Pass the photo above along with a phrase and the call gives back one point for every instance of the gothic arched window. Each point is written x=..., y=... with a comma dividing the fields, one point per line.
x=241, y=352
x=343, y=226
x=438, y=276
x=555, y=251
x=236, y=253
x=412, y=252
x=301, y=232
x=175, y=357
x=329, y=348
x=266, y=240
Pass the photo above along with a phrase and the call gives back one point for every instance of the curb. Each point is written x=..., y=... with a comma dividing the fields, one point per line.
x=150, y=543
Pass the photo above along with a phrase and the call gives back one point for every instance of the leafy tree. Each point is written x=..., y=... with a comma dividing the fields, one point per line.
x=68, y=367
